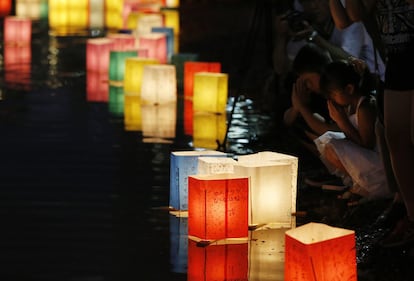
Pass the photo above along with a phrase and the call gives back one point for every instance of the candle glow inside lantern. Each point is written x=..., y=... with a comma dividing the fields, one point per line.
x=134, y=68
x=210, y=92
x=209, y=129
x=183, y=164
x=117, y=65
x=17, y=30
x=98, y=54
x=178, y=244
x=217, y=262
x=159, y=84
x=97, y=86
x=159, y=121
x=156, y=44
x=272, y=196
x=217, y=207
x=192, y=67
x=316, y=251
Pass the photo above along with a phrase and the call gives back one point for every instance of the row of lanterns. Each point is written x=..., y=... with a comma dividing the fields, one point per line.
x=227, y=202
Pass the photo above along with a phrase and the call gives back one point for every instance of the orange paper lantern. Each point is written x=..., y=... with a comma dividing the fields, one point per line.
x=319, y=252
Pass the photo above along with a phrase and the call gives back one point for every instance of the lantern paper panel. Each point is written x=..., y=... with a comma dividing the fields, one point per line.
x=68, y=16
x=217, y=207
x=215, y=165
x=114, y=14
x=159, y=84
x=178, y=243
x=134, y=68
x=317, y=251
x=217, y=262
x=33, y=9
x=192, y=67
x=146, y=21
x=116, y=101
x=270, y=193
x=159, y=121
x=183, y=164
x=156, y=44
x=117, y=65
x=17, y=30
x=5, y=8
x=97, y=89
x=209, y=129
x=169, y=33
x=96, y=14
x=178, y=59
x=123, y=41
x=210, y=92
x=98, y=54
x=132, y=113
x=267, y=254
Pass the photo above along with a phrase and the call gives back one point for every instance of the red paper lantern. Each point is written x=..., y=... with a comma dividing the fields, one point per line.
x=5, y=7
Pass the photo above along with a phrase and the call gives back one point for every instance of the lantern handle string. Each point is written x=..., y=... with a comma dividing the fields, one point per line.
x=259, y=12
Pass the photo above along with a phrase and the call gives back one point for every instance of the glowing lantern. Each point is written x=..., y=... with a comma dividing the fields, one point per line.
x=209, y=129
x=169, y=33
x=178, y=59
x=217, y=207
x=132, y=112
x=217, y=262
x=159, y=121
x=33, y=9
x=97, y=86
x=17, y=30
x=156, y=44
x=320, y=252
x=116, y=101
x=123, y=41
x=134, y=68
x=5, y=7
x=192, y=67
x=266, y=254
x=68, y=16
x=178, y=244
x=96, y=14
x=146, y=21
x=159, y=84
x=97, y=54
x=117, y=65
x=114, y=14
x=210, y=92
x=183, y=164
x=172, y=3
x=215, y=165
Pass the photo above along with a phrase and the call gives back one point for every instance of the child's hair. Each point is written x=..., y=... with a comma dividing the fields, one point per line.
x=310, y=58
x=336, y=75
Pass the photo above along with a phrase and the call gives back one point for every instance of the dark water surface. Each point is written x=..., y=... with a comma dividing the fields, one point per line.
x=81, y=198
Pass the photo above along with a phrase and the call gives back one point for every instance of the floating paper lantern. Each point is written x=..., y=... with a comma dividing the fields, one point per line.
x=178, y=244
x=17, y=30
x=97, y=86
x=169, y=33
x=33, y=9
x=156, y=44
x=116, y=100
x=114, y=14
x=159, y=84
x=5, y=8
x=272, y=195
x=159, y=121
x=210, y=92
x=68, y=16
x=267, y=254
x=217, y=262
x=96, y=14
x=97, y=54
x=178, y=59
x=217, y=207
x=192, y=67
x=209, y=129
x=183, y=164
x=117, y=65
x=320, y=252
x=146, y=21
x=215, y=165
x=134, y=68
x=123, y=41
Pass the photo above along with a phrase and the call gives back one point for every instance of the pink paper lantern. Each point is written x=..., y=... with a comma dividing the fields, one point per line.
x=98, y=54
x=97, y=89
x=156, y=44
x=17, y=30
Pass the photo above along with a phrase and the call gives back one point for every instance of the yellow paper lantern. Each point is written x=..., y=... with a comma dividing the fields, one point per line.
x=192, y=67
x=132, y=112
x=68, y=16
x=146, y=21
x=134, y=68
x=210, y=92
x=159, y=84
x=317, y=251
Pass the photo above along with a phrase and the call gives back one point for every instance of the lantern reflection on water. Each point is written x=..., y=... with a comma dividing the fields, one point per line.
x=209, y=129
x=97, y=86
x=159, y=121
x=178, y=243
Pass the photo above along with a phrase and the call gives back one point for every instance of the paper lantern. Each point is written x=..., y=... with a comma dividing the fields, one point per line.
x=117, y=65
x=172, y=3
x=97, y=54
x=159, y=84
x=17, y=65
x=210, y=92
x=217, y=262
x=33, y=9
x=146, y=21
x=97, y=86
x=123, y=41
x=156, y=44
x=217, y=207
x=183, y=164
x=178, y=59
x=172, y=20
x=192, y=67
x=132, y=112
x=267, y=254
x=17, y=30
x=320, y=252
x=272, y=195
x=209, y=129
x=169, y=33
x=96, y=14
x=5, y=7
x=114, y=14
x=68, y=16
x=215, y=165
x=116, y=101
x=134, y=67
x=159, y=121
x=178, y=244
